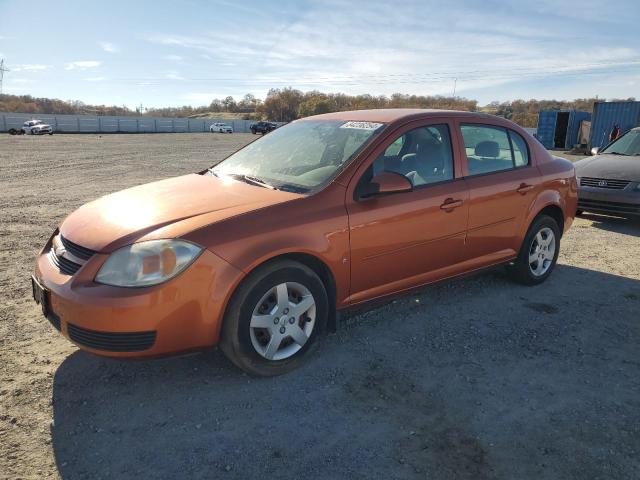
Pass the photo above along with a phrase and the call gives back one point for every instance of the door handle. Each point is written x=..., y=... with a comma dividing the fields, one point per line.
x=524, y=188
x=449, y=204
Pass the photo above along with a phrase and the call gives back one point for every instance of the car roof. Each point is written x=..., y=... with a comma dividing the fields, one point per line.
x=389, y=115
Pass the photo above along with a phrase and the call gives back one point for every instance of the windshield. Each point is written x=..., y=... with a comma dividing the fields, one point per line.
x=628, y=144
x=301, y=155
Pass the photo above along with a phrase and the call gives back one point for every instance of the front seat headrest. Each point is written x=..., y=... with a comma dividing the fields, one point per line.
x=488, y=148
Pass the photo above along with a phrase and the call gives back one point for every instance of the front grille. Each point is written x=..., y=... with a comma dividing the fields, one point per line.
x=54, y=320
x=112, y=342
x=76, y=250
x=609, y=207
x=604, y=183
x=65, y=265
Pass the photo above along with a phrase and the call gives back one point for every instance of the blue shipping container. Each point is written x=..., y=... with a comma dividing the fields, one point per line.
x=547, y=127
x=559, y=129
x=575, y=119
x=606, y=114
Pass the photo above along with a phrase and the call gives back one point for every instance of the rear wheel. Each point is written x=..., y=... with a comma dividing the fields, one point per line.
x=275, y=318
x=539, y=252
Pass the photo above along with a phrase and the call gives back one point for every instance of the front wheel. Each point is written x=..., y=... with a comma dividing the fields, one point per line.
x=275, y=318
x=539, y=252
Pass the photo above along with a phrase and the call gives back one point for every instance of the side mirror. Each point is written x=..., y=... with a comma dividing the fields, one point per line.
x=386, y=183
x=595, y=151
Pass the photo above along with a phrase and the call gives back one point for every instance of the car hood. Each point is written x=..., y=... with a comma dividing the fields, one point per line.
x=165, y=209
x=615, y=167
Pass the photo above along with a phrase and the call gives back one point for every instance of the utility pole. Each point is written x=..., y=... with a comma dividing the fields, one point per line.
x=2, y=70
x=140, y=108
x=455, y=84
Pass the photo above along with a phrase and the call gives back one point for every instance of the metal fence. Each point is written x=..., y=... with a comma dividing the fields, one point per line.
x=109, y=124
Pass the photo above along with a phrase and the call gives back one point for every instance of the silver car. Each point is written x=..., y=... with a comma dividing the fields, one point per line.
x=609, y=182
x=221, y=128
x=36, y=127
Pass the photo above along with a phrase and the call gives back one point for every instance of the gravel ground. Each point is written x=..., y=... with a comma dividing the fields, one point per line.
x=473, y=379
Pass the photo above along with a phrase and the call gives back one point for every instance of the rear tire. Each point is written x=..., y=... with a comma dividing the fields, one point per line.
x=275, y=318
x=539, y=252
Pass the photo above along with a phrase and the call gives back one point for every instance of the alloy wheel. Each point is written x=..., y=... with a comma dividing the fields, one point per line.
x=282, y=321
x=542, y=252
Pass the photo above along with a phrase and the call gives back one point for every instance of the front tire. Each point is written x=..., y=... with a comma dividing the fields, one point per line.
x=539, y=252
x=275, y=319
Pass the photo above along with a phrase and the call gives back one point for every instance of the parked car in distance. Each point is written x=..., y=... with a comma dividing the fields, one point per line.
x=262, y=127
x=32, y=127
x=328, y=213
x=609, y=182
x=220, y=128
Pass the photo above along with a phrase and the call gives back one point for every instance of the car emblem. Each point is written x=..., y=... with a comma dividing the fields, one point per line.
x=602, y=183
x=60, y=251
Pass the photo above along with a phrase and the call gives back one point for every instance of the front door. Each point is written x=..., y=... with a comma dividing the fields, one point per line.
x=397, y=240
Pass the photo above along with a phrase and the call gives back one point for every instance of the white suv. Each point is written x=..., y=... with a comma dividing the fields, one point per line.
x=36, y=127
x=220, y=128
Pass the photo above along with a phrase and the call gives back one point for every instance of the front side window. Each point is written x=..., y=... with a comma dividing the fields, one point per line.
x=493, y=149
x=301, y=155
x=423, y=155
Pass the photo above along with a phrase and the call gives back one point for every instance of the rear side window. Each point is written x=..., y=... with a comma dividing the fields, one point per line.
x=520, y=150
x=493, y=149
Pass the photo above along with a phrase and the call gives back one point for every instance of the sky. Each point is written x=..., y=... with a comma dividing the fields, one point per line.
x=171, y=53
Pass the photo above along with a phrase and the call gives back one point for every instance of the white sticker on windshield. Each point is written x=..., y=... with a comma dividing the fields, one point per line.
x=362, y=125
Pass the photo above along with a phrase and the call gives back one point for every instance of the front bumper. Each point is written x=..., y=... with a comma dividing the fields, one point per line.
x=180, y=315
x=624, y=202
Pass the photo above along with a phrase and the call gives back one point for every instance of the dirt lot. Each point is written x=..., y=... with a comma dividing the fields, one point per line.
x=474, y=379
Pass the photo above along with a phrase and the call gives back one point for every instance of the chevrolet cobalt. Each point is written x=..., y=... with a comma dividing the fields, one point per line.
x=258, y=253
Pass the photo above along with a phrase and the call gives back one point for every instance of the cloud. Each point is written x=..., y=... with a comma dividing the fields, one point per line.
x=82, y=65
x=94, y=79
x=109, y=47
x=29, y=67
x=202, y=96
x=174, y=76
x=173, y=58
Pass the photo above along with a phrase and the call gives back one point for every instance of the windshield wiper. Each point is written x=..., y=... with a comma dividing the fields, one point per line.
x=258, y=181
x=250, y=180
x=617, y=153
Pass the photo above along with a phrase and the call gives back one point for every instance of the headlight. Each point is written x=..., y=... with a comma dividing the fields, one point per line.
x=147, y=263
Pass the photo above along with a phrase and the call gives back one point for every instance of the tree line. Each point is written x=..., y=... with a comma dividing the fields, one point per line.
x=287, y=104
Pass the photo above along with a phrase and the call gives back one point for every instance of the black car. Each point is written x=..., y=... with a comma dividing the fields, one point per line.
x=263, y=127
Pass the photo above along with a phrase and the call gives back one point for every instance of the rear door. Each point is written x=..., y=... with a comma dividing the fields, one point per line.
x=502, y=184
x=399, y=239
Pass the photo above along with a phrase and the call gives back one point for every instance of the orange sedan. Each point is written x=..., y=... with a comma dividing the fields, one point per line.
x=260, y=252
